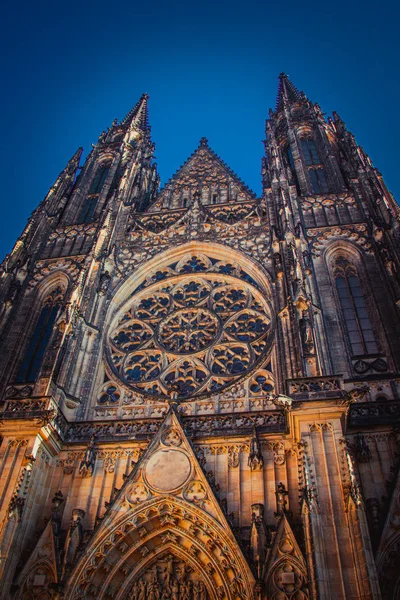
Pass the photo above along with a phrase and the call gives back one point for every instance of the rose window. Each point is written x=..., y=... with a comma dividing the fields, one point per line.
x=190, y=334
x=188, y=330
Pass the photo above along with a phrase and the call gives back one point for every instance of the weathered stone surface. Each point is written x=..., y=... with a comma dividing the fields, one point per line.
x=199, y=387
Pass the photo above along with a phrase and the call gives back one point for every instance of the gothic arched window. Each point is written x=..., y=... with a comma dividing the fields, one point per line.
x=90, y=202
x=310, y=152
x=99, y=179
x=38, y=342
x=351, y=297
x=314, y=165
x=288, y=155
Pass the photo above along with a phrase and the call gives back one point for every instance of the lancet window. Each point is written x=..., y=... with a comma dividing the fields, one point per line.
x=288, y=155
x=314, y=165
x=30, y=366
x=90, y=202
x=99, y=179
x=352, y=301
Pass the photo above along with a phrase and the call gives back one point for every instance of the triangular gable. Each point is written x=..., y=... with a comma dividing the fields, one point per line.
x=203, y=172
x=390, y=537
x=285, y=568
x=40, y=570
x=165, y=519
x=169, y=466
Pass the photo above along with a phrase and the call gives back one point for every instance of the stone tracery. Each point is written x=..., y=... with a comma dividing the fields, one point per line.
x=191, y=329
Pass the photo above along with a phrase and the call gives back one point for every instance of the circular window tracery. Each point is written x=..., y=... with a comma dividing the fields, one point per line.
x=188, y=330
x=192, y=334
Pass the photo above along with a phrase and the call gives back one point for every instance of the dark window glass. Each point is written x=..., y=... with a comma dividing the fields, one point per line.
x=358, y=325
x=30, y=366
x=88, y=209
x=312, y=159
x=318, y=180
x=184, y=203
x=98, y=180
x=310, y=152
x=289, y=155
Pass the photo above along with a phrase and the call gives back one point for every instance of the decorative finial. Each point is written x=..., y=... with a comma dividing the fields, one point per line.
x=203, y=141
x=173, y=395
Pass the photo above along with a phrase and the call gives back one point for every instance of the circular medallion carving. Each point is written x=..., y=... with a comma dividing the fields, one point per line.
x=195, y=491
x=167, y=470
x=138, y=493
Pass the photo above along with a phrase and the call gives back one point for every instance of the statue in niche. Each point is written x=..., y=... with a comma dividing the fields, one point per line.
x=281, y=498
x=306, y=333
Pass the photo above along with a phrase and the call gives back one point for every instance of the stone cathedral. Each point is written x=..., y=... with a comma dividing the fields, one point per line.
x=200, y=388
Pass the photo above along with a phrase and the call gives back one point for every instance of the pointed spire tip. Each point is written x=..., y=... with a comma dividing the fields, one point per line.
x=287, y=92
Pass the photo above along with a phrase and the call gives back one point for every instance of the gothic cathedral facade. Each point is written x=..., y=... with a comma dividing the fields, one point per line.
x=200, y=388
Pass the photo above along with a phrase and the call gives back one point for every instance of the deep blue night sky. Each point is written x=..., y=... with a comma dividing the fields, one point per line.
x=210, y=68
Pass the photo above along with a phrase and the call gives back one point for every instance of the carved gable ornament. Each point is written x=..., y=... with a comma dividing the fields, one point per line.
x=165, y=535
x=285, y=571
x=204, y=173
x=40, y=572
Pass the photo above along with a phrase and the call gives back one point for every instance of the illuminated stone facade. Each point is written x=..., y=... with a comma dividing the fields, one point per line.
x=200, y=387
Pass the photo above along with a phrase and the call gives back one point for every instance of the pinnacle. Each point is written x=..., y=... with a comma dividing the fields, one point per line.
x=287, y=92
x=138, y=116
x=76, y=156
x=203, y=142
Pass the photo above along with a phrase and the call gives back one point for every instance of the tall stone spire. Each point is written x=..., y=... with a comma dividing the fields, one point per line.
x=287, y=92
x=138, y=117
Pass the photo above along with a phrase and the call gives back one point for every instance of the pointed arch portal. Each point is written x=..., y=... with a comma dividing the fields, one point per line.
x=164, y=531
x=139, y=547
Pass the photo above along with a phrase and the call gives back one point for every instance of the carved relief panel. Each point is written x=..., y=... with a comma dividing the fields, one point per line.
x=168, y=578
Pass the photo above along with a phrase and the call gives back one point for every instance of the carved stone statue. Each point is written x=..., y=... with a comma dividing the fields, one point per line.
x=104, y=283
x=256, y=460
x=169, y=579
x=361, y=449
x=281, y=495
x=86, y=467
x=307, y=338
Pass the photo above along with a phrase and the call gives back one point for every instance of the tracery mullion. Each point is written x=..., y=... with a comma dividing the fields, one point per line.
x=355, y=313
x=190, y=361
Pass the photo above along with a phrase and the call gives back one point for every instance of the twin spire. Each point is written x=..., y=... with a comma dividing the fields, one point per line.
x=139, y=115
